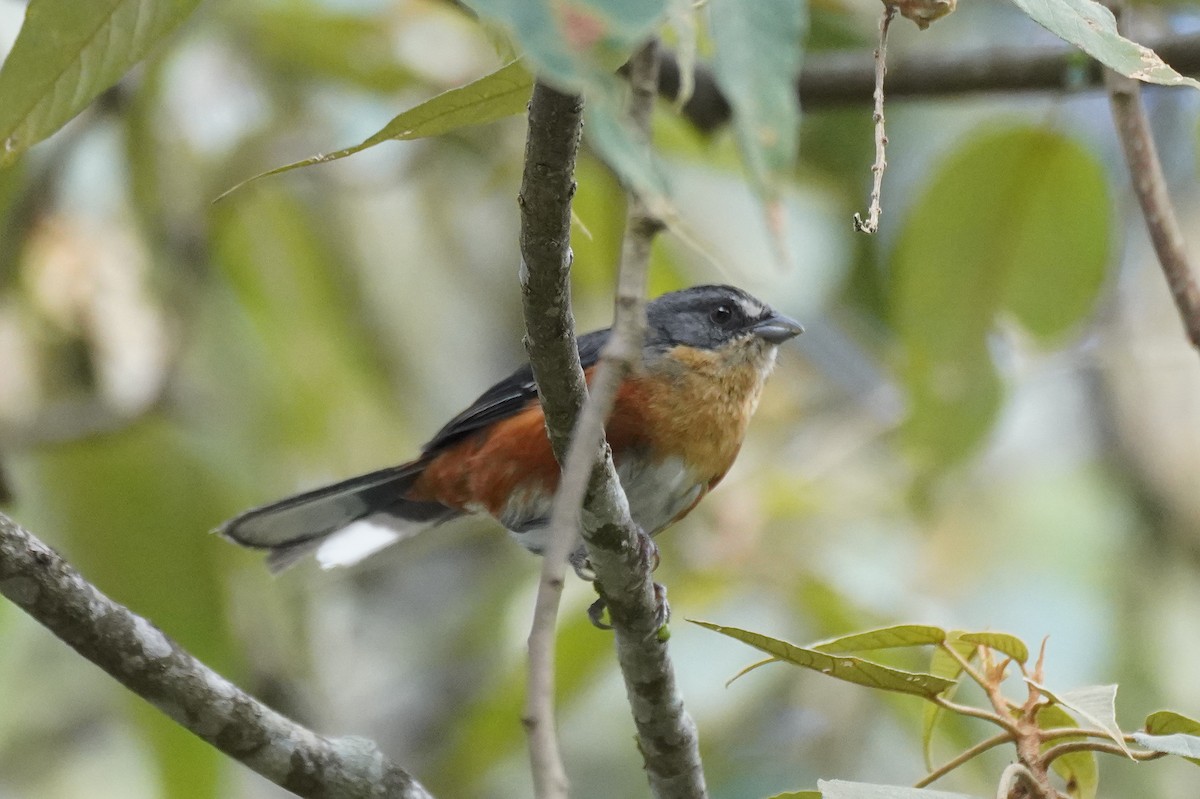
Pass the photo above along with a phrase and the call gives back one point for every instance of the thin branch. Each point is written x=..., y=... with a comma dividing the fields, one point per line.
x=871, y=225
x=969, y=754
x=846, y=77
x=667, y=736
x=139, y=656
x=555, y=122
x=1083, y=732
x=967, y=710
x=1150, y=186
x=1055, y=752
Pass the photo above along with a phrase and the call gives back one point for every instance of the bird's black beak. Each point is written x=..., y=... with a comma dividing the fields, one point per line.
x=777, y=328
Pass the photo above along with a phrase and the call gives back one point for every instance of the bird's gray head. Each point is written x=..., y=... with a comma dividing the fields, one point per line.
x=710, y=317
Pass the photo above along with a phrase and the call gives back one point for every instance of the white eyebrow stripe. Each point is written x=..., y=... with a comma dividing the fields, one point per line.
x=751, y=308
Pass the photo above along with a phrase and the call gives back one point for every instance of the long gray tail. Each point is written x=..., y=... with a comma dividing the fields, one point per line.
x=293, y=527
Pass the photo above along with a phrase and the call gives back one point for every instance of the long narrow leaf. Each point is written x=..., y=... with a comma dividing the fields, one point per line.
x=897, y=636
x=500, y=94
x=843, y=667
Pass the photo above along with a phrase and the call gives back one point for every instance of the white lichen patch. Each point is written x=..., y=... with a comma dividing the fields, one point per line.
x=154, y=644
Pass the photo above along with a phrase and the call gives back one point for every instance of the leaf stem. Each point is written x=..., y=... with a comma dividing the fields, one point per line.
x=987, y=715
x=955, y=762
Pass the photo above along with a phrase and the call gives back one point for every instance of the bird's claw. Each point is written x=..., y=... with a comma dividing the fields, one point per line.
x=596, y=612
x=582, y=565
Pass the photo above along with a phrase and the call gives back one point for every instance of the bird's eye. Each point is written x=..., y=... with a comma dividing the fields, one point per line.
x=721, y=315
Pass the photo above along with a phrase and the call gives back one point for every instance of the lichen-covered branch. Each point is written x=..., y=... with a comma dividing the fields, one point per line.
x=548, y=184
x=590, y=496
x=143, y=659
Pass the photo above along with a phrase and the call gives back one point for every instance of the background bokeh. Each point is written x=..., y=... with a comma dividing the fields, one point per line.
x=166, y=362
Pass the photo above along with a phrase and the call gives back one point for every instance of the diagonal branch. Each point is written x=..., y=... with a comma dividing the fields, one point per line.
x=139, y=656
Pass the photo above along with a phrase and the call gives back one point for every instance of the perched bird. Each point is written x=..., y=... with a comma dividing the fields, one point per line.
x=677, y=424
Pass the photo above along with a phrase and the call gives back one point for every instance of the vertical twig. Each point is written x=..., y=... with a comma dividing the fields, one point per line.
x=871, y=224
x=1150, y=186
x=555, y=122
x=666, y=735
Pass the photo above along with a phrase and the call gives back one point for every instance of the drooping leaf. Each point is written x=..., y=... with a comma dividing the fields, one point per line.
x=574, y=44
x=616, y=145
x=945, y=665
x=1093, y=704
x=67, y=53
x=758, y=48
x=841, y=789
x=900, y=635
x=1167, y=723
x=1010, y=645
x=1014, y=221
x=1092, y=28
x=1078, y=769
x=843, y=667
x=494, y=96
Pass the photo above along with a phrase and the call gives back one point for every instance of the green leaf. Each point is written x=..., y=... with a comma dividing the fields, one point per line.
x=1093, y=704
x=1015, y=221
x=611, y=138
x=843, y=667
x=900, y=635
x=1092, y=28
x=1001, y=642
x=500, y=94
x=1166, y=722
x=67, y=53
x=840, y=789
x=797, y=795
x=575, y=44
x=942, y=664
x=758, y=49
x=1078, y=769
